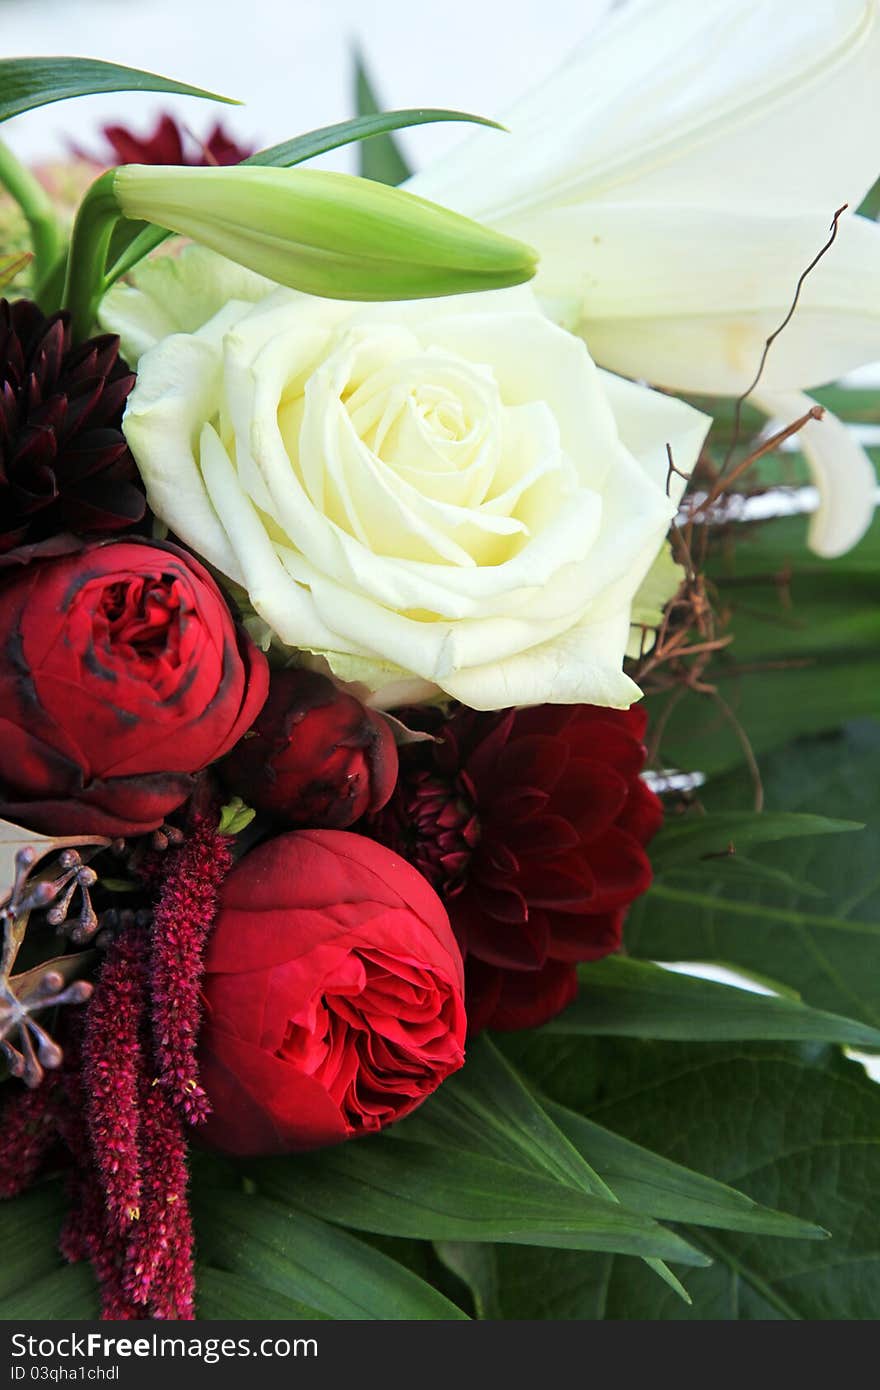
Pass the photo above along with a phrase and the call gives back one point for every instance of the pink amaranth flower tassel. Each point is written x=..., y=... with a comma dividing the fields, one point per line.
x=184, y=915
x=113, y=1064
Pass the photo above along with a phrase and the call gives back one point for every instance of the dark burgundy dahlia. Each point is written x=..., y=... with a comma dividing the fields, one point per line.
x=168, y=144
x=531, y=825
x=64, y=462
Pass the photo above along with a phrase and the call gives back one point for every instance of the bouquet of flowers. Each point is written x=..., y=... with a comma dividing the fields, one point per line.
x=411, y=646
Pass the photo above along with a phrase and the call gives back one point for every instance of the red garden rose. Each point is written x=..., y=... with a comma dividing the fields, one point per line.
x=333, y=995
x=316, y=756
x=531, y=825
x=122, y=673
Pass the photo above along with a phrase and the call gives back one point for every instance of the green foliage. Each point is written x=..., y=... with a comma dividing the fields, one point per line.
x=26, y=83
x=828, y=951
x=795, y=1126
x=381, y=158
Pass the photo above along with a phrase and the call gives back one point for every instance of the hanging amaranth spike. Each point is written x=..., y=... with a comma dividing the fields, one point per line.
x=184, y=915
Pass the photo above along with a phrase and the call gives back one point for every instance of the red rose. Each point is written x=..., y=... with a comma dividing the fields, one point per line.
x=531, y=825
x=333, y=995
x=122, y=673
x=316, y=756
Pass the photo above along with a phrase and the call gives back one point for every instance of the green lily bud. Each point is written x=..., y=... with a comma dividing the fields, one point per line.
x=329, y=234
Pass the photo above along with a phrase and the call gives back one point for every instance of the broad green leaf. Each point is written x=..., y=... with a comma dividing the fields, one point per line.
x=806, y=651
x=68, y=1294
x=636, y=999
x=796, y=1127
x=221, y=1296
x=29, y=1228
x=829, y=953
x=26, y=83
x=400, y=1188
x=132, y=244
x=308, y=1261
x=698, y=837
x=486, y=1109
x=381, y=158
x=475, y=1265
x=647, y=1182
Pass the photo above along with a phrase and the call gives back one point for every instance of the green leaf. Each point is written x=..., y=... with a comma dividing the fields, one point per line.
x=26, y=83
x=831, y=957
x=302, y=1259
x=399, y=1188
x=67, y=1294
x=486, y=1109
x=381, y=159
x=29, y=1227
x=475, y=1265
x=221, y=1295
x=649, y=1183
x=636, y=999
x=12, y=265
x=806, y=651
x=797, y=1126
x=698, y=837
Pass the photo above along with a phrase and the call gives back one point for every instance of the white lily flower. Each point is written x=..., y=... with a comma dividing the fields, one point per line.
x=677, y=176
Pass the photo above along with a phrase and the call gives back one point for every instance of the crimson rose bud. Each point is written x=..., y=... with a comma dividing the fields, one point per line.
x=316, y=756
x=333, y=995
x=122, y=673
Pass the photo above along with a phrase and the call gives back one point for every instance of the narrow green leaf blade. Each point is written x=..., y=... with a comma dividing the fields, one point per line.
x=68, y=1294
x=486, y=1109
x=303, y=1259
x=221, y=1295
x=26, y=83
x=381, y=158
x=792, y=1126
x=698, y=837
x=637, y=999
x=647, y=1182
x=398, y=1188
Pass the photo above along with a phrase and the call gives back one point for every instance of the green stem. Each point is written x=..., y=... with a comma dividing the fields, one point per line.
x=46, y=235
x=86, y=263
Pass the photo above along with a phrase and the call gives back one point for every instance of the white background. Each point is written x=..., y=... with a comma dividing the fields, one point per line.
x=291, y=60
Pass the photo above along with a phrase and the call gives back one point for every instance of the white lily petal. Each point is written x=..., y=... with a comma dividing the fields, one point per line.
x=752, y=101
x=687, y=297
x=842, y=471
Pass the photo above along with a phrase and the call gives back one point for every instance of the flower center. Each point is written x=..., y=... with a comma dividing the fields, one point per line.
x=432, y=821
x=143, y=616
x=378, y=1038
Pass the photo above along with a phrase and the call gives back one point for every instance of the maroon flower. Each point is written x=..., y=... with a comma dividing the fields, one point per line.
x=168, y=144
x=122, y=674
x=64, y=463
x=531, y=825
x=316, y=756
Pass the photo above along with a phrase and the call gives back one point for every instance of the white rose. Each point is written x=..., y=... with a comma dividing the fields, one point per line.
x=434, y=496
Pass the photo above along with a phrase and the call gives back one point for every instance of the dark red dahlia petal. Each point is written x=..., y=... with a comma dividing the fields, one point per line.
x=621, y=868
x=642, y=815
x=589, y=936
x=535, y=761
x=521, y=1000
x=590, y=796
x=563, y=885
x=515, y=945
